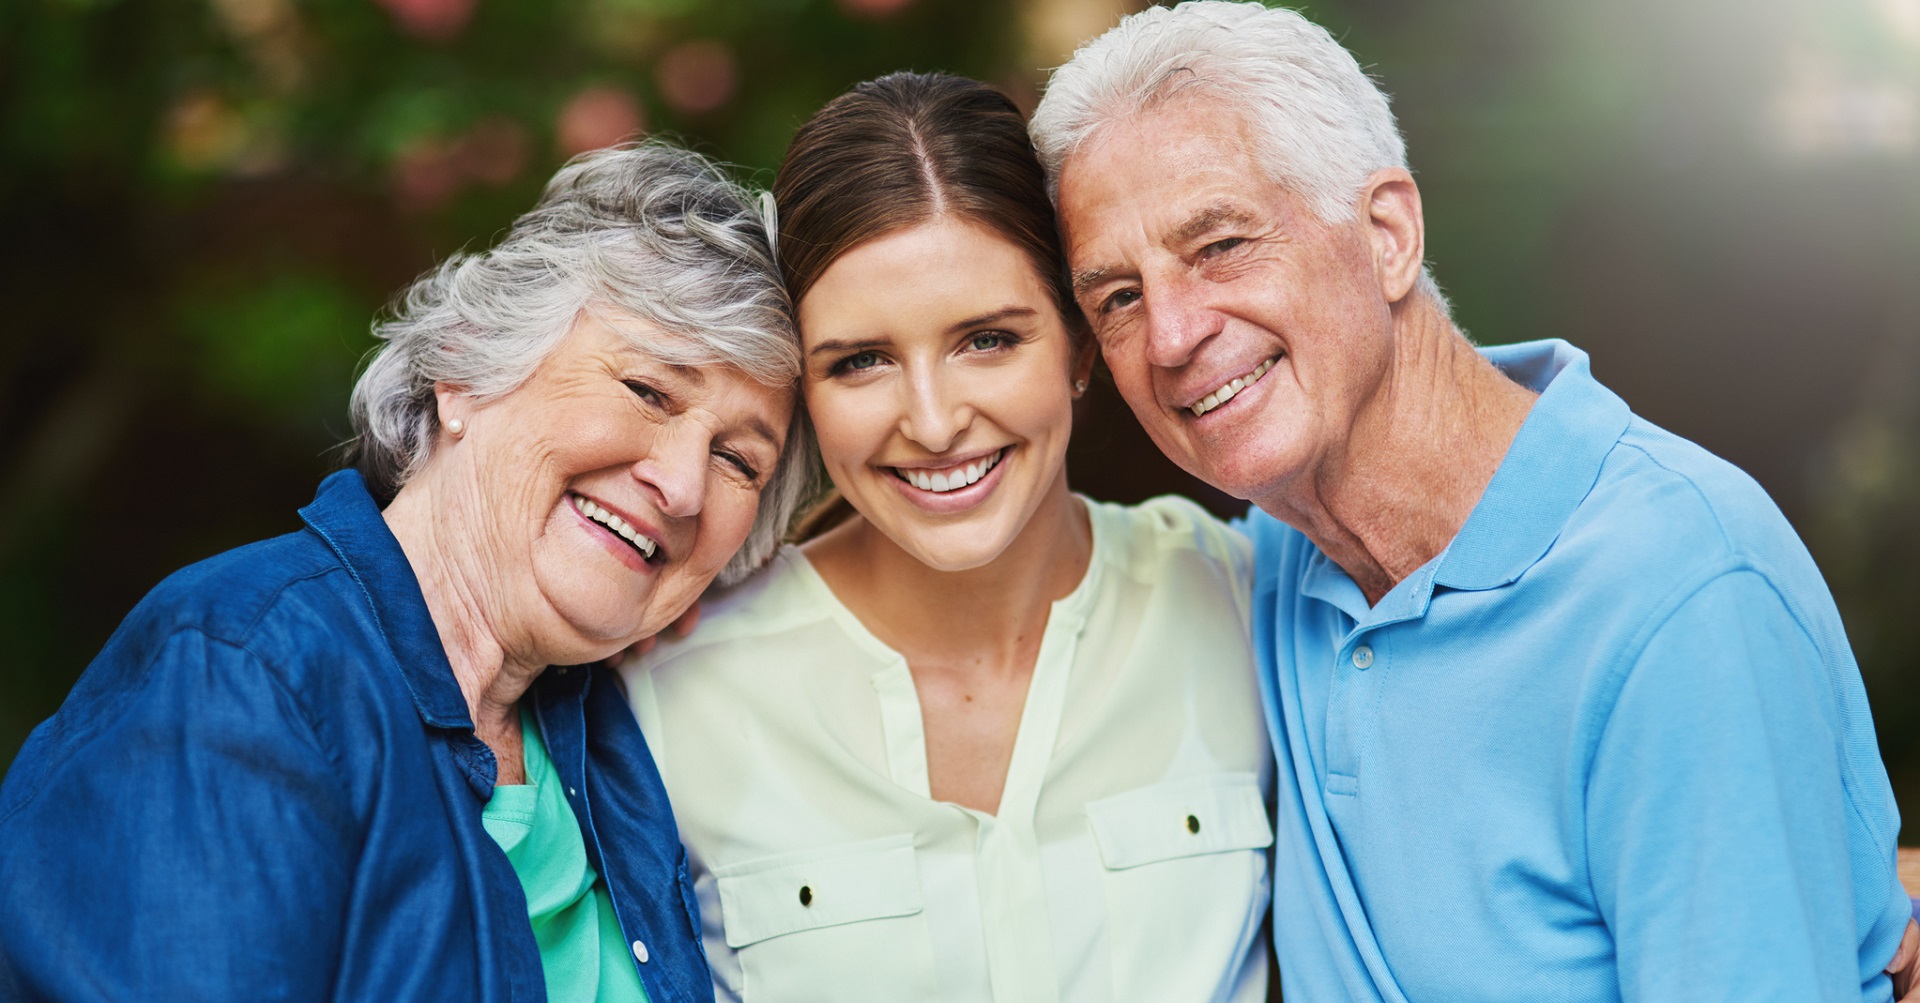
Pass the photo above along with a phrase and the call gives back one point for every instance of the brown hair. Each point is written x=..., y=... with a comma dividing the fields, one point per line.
x=900, y=151
x=903, y=150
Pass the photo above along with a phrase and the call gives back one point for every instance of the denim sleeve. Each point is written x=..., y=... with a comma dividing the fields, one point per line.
x=175, y=835
x=1722, y=842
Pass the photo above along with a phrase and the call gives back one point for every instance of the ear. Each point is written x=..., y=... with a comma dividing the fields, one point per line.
x=451, y=403
x=1390, y=206
x=1084, y=358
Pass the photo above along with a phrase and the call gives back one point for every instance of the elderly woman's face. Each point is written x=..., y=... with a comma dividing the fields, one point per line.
x=612, y=488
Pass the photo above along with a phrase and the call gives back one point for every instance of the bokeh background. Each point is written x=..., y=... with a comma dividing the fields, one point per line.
x=204, y=202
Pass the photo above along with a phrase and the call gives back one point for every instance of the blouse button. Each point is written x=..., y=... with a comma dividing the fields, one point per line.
x=1193, y=823
x=640, y=952
x=806, y=895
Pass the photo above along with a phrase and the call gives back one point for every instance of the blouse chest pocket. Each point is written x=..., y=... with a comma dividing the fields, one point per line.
x=1184, y=818
x=841, y=922
x=1186, y=864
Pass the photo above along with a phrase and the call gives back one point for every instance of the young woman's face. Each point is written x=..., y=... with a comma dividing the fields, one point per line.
x=939, y=376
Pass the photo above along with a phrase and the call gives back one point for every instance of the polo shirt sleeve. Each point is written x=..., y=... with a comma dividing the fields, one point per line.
x=174, y=836
x=1718, y=819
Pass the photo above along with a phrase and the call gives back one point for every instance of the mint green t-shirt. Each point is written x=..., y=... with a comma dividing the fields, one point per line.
x=582, y=951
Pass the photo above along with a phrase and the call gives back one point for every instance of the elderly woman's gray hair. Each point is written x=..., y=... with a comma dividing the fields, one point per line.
x=648, y=231
x=1323, y=125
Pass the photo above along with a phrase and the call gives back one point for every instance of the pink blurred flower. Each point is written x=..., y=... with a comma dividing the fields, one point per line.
x=697, y=76
x=425, y=175
x=434, y=20
x=597, y=117
x=430, y=171
x=493, y=152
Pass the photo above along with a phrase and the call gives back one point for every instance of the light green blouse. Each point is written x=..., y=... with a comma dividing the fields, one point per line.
x=582, y=951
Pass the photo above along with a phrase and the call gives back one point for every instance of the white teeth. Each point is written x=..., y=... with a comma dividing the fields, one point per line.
x=615, y=523
x=1234, y=386
x=954, y=481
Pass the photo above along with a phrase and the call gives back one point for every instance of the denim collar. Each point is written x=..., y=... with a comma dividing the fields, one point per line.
x=344, y=515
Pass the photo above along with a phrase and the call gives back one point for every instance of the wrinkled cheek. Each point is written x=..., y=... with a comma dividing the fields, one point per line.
x=725, y=531
x=592, y=592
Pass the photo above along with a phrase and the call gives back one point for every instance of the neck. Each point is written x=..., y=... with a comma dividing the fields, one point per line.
x=458, y=598
x=1420, y=454
x=989, y=618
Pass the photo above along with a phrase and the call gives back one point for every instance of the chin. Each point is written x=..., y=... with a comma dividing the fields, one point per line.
x=1247, y=477
x=598, y=613
x=959, y=548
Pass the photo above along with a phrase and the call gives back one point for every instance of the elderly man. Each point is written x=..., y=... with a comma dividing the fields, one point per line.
x=1563, y=708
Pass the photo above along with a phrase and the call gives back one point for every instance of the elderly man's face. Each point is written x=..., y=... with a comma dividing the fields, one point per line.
x=1245, y=333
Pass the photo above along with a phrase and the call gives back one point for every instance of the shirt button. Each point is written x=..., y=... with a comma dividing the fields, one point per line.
x=640, y=952
x=1362, y=657
x=570, y=790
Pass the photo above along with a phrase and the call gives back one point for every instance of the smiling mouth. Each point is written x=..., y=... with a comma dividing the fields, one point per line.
x=1226, y=393
x=954, y=478
x=616, y=525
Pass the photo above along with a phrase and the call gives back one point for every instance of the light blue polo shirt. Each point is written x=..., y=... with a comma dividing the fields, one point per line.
x=1610, y=744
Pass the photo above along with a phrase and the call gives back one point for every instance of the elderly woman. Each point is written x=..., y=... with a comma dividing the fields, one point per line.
x=293, y=771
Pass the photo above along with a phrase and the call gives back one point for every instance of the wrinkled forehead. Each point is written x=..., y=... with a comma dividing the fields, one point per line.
x=1158, y=168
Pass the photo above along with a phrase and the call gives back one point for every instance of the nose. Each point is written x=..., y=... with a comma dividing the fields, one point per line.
x=674, y=471
x=935, y=411
x=1178, y=319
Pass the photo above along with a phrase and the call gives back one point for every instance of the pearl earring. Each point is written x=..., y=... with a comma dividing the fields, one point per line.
x=455, y=426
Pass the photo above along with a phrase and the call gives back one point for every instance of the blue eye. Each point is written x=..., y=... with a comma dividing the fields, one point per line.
x=1120, y=300
x=992, y=341
x=855, y=363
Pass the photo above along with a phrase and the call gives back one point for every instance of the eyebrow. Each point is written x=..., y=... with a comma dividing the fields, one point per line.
x=836, y=346
x=993, y=317
x=758, y=426
x=1208, y=218
x=1086, y=278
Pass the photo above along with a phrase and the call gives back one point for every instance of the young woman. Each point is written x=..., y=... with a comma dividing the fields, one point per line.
x=985, y=739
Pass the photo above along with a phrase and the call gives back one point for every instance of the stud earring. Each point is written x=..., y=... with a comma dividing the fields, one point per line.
x=455, y=426
x=1079, y=387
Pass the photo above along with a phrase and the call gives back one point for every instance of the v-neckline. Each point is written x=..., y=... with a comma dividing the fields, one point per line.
x=904, y=727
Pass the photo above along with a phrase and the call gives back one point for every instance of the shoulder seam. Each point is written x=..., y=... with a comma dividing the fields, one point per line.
x=267, y=604
x=1719, y=524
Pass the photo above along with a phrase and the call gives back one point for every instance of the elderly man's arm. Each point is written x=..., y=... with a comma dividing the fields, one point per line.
x=1728, y=840
x=175, y=840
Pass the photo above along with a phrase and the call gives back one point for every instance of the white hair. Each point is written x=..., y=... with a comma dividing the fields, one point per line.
x=1323, y=124
x=647, y=231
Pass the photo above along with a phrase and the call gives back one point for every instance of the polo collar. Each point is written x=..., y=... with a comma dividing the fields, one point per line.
x=344, y=515
x=1548, y=471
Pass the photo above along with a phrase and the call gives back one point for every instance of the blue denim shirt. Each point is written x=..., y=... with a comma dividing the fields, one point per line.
x=267, y=787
